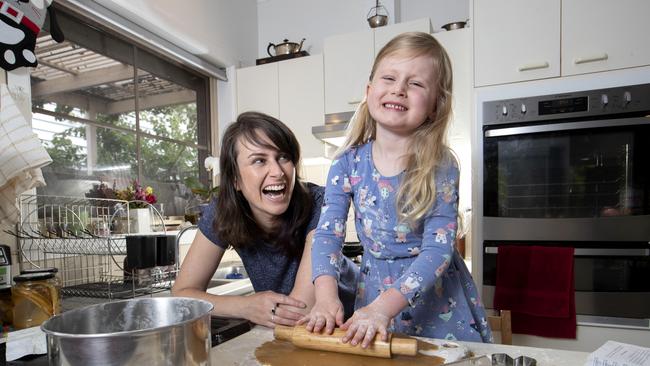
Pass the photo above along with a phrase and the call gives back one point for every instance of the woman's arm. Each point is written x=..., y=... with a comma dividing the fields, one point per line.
x=198, y=267
x=303, y=289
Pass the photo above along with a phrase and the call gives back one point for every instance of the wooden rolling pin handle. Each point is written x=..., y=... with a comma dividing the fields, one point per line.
x=300, y=337
x=403, y=346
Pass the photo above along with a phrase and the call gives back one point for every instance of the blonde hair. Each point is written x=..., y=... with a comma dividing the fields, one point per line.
x=428, y=149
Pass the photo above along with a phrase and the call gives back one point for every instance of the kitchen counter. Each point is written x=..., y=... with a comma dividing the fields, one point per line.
x=240, y=351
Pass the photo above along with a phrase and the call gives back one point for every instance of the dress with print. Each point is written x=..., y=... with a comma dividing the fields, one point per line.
x=420, y=261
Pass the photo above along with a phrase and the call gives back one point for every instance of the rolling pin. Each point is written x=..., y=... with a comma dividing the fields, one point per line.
x=300, y=337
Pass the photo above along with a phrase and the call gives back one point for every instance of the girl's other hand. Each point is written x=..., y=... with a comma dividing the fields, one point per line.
x=325, y=314
x=364, y=324
x=264, y=308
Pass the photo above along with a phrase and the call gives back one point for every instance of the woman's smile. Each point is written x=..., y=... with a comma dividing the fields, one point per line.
x=275, y=191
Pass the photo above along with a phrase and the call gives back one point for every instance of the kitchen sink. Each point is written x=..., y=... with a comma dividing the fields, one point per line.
x=228, y=272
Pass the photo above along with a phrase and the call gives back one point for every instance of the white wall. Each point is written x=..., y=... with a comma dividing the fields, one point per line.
x=220, y=31
x=229, y=32
x=316, y=20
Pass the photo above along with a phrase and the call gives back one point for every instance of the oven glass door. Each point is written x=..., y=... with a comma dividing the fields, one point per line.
x=568, y=170
x=610, y=277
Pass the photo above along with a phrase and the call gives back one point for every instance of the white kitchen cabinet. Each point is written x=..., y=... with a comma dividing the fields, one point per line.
x=291, y=91
x=302, y=100
x=458, y=44
x=599, y=35
x=535, y=39
x=385, y=34
x=347, y=62
x=516, y=40
x=258, y=89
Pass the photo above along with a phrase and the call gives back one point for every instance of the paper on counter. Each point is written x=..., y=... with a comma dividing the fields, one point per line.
x=30, y=341
x=619, y=354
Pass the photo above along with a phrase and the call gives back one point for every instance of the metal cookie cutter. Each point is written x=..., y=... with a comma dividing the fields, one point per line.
x=502, y=359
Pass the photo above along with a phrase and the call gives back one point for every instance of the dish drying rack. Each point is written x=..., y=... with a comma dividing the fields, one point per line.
x=85, y=239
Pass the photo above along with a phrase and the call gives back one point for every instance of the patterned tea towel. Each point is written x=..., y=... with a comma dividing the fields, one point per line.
x=21, y=156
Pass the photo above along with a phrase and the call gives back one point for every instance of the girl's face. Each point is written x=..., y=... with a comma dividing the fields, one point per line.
x=266, y=179
x=402, y=93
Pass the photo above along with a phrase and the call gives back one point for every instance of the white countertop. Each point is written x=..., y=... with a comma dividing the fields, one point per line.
x=240, y=351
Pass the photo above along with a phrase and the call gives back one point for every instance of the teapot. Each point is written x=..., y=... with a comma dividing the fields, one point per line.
x=285, y=48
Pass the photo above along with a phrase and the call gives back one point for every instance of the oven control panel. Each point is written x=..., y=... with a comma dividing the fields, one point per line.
x=592, y=103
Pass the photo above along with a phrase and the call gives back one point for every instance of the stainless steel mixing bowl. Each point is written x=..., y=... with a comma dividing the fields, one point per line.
x=144, y=331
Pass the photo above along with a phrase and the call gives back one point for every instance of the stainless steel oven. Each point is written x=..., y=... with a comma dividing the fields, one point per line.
x=573, y=169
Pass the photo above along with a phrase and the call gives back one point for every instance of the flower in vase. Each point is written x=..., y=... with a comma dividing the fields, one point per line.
x=138, y=196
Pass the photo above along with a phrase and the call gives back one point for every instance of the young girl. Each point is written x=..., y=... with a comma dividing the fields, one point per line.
x=403, y=180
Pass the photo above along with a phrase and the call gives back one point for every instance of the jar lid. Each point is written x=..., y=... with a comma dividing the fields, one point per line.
x=38, y=276
x=40, y=270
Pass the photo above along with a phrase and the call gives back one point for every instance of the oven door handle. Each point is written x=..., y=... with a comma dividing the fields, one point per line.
x=511, y=131
x=595, y=252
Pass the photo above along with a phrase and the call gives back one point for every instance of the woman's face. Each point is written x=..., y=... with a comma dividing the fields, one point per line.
x=266, y=179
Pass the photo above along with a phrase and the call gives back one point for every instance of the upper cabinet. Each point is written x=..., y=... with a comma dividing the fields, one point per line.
x=291, y=91
x=347, y=64
x=516, y=40
x=349, y=58
x=301, y=101
x=257, y=89
x=599, y=35
x=535, y=39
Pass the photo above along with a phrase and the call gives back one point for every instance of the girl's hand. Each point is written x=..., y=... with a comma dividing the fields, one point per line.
x=264, y=308
x=325, y=314
x=364, y=324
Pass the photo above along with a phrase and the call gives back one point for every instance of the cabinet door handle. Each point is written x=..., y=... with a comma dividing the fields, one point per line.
x=355, y=101
x=584, y=60
x=529, y=67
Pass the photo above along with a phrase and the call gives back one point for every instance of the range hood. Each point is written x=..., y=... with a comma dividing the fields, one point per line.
x=333, y=131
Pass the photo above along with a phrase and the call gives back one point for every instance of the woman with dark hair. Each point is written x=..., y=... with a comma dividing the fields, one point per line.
x=268, y=216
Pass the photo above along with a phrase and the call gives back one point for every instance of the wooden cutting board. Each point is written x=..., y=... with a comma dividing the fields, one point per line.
x=282, y=353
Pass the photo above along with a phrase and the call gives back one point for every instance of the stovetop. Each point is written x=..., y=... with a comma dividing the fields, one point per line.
x=224, y=329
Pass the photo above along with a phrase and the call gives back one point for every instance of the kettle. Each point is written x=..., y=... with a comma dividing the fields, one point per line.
x=285, y=48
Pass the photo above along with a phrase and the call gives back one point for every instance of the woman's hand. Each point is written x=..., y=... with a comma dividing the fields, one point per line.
x=265, y=308
x=364, y=324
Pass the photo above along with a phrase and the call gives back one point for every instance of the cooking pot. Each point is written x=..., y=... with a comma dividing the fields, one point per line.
x=285, y=48
x=144, y=331
x=455, y=25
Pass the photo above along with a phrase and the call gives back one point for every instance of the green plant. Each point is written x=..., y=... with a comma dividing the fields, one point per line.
x=199, y=189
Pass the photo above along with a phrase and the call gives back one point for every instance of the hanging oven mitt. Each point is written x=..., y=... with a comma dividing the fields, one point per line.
x=20, y=23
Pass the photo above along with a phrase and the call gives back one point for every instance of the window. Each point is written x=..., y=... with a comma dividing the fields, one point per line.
x=110, y=111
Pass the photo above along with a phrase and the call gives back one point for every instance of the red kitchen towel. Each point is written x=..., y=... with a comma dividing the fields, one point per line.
x=536, y=284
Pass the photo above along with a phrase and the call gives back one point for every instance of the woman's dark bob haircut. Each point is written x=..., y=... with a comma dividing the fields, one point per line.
x=234, y=223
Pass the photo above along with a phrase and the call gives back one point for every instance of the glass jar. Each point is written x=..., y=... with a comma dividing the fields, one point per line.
x=55, y=281
x=35, y=299
x=6, y=307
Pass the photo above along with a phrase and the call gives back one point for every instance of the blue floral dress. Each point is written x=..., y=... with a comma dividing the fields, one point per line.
x=420, y=261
